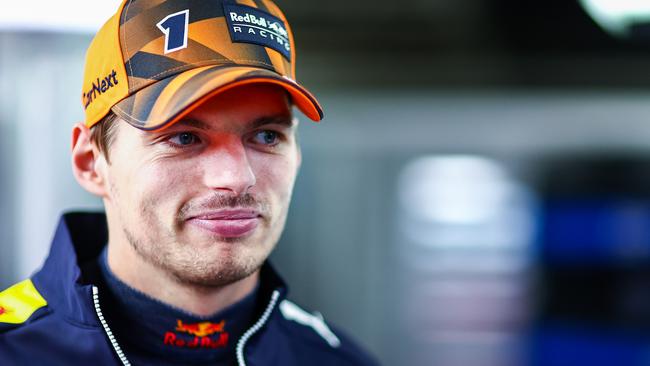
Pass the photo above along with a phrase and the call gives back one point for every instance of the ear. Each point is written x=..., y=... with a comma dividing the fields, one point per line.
x=88, y=164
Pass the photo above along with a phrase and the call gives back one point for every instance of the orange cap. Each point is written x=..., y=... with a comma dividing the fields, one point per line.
x=156, y=60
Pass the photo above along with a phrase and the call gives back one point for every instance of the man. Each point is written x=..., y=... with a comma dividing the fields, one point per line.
x=190, y=141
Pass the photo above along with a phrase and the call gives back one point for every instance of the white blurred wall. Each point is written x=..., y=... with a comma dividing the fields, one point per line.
x=40, y=82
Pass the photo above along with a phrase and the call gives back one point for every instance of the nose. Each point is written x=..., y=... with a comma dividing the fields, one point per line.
x=226, y=167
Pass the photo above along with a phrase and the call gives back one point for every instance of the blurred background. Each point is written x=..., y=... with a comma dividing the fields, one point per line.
x=478, y=195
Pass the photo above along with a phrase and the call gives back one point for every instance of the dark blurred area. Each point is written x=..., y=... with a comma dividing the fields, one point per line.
x=478, y=194
x=460, y=44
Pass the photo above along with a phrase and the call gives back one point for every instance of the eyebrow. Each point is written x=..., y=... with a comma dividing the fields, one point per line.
x=284, y=120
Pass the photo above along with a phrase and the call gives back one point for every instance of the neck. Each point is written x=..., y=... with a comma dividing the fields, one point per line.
x=200, y=300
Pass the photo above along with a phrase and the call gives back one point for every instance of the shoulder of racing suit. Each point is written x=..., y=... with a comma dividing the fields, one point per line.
x=21, y=304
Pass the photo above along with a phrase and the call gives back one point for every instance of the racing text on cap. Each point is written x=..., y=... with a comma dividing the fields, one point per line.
x=251, y=25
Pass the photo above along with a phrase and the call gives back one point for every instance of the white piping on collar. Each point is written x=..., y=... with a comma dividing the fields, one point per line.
x=255, y=328
x=293, y=312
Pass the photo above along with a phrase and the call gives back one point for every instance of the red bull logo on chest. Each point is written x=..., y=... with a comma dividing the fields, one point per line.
x=197, y=335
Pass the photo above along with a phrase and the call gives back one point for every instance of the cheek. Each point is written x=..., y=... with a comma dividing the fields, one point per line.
x=275, y=175
x=167, y=181
x=149, y=186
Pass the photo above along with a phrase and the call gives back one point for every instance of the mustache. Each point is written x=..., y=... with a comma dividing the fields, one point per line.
x=221, y=201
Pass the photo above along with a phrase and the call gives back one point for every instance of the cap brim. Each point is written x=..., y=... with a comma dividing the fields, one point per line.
x=169, y=100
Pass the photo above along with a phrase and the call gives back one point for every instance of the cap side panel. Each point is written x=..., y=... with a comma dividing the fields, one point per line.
x=193, y=54
x=250, y=3
x=150, y=66
x=293, y=53
x=138, y=7
x=218, y=39
x=153, y=47
x=145, y=102
x=140, y=104
x=105, y=78
x=280, y=64
x=138, y=37
x=153, y=62
x=135, y=79
x=206, y=10
x=274, y=9
x=277, y=12
x=259, y=54
x=260, y=5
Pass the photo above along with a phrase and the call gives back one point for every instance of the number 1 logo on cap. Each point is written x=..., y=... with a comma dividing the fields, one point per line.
x=174, y=26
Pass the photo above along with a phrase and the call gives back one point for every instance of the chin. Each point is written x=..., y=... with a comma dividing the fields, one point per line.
x=220, y=271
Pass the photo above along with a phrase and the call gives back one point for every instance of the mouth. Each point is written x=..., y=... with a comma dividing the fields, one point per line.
x=231, y=223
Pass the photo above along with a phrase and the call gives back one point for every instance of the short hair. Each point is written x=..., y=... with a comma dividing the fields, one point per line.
x=103, y=134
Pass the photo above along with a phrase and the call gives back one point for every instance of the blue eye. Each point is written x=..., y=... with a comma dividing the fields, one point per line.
x=267, y=137
x=184, y=139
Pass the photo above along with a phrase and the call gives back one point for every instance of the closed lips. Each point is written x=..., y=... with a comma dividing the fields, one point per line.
x=228, y=223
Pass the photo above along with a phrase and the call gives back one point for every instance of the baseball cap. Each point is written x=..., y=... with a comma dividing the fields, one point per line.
x=154, y=61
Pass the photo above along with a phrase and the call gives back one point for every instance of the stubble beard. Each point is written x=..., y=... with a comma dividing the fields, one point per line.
x=190, y=267
x=200, y=267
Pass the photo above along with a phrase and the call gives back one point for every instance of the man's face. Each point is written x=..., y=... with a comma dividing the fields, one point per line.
x=207, y=198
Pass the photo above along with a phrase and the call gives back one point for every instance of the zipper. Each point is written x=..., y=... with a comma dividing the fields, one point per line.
x=255, y=328
x=107, y=330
